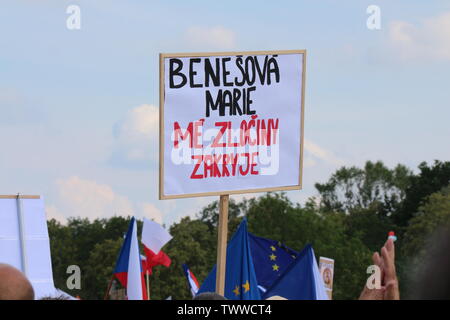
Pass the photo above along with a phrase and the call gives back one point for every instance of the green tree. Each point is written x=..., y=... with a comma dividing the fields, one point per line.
x=370, y=197
x=431, y=179
x=210, y=214
x=73, y=244
x=370, y=227
x=374, y=187
x=99, y=270
x=62, y=251
x=193, y=243
x=434, y=213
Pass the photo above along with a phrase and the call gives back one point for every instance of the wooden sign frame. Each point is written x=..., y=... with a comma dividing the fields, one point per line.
x=19, y=196
x=162, y=57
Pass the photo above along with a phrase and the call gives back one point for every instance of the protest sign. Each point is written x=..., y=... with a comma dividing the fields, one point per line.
x=231, y=122
x=24, y=241
x=326, y=267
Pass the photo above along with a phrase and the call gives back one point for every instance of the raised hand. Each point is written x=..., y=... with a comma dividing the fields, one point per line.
x=389, y=283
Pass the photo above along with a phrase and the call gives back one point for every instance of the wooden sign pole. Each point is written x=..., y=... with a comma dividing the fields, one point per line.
x=222, y=244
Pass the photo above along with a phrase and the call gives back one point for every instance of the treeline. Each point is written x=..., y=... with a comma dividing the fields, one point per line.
x=346, y=221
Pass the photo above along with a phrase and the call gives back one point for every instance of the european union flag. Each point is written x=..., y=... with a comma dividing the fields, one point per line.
x=270, y=258
x=301, y=281
x=240, y=277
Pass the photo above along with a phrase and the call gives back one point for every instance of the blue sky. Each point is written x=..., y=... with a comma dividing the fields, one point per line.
x=79, y=112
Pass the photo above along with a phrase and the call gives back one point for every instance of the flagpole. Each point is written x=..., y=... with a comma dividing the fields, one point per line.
x=222, y=244
x=109, y=288
x=148, y=284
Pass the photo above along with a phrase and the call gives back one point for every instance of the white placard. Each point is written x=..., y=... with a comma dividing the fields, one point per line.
x=33, y=256
x=231, y=122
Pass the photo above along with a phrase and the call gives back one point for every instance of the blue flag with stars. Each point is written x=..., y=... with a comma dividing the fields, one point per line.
x=270, y=258
x=301, y=281
x=240, y=277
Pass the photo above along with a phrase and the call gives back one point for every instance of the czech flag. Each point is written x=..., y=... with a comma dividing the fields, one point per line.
x=192, y=280
x=153, y=260
x=128, y=267
x=154, y=237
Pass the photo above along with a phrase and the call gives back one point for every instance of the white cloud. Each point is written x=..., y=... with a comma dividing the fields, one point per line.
x=77, y=197
x=217, y=37
x=430, y=39
x=318, y=152
x=53, y=213
x=140, y=122
x=149, y=211
x=88, y=199
x=137, y=135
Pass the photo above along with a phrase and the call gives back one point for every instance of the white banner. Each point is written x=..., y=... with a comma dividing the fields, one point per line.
x=231, y=123
x=24, y=241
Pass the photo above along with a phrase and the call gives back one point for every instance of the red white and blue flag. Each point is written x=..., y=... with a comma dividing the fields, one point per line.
x=128, y=267
x=153, y=260
x=154, y=237
x=192, y=280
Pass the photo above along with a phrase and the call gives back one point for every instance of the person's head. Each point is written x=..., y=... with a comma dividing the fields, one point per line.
x=209, y=296
x=14, y=285
x=276, y=298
